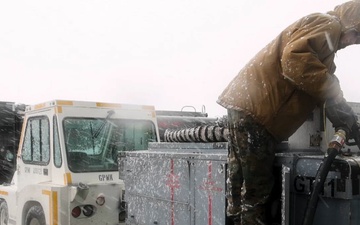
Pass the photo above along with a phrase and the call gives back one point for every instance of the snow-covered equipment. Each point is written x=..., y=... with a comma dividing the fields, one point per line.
x=184, y=182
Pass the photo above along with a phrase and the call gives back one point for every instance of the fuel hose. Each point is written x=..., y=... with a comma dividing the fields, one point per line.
x=335, y=145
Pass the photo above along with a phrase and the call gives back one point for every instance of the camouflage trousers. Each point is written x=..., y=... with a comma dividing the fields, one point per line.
x=249, y=175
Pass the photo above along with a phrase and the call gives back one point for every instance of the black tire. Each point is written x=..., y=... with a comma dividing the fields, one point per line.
x=35, y=216
x=4, y=213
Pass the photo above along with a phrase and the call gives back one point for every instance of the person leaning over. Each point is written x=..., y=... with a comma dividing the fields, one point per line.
x=273, y=95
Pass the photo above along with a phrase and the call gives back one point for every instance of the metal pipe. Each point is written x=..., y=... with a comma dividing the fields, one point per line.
x=205, y=133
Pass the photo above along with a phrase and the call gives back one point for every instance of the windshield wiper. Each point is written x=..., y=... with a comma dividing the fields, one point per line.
x=97, y=132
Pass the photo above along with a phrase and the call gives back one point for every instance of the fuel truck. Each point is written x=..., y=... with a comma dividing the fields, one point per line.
x=181, y=180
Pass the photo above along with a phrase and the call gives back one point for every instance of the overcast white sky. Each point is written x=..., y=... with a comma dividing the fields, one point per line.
x=164, y=53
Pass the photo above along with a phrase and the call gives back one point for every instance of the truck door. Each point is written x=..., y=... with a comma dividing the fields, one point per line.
x=35, y=151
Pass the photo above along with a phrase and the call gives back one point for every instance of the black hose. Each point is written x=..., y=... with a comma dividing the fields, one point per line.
x=318, y=185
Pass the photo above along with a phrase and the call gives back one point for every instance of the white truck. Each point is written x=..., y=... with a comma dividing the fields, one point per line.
x=65, y=168
x=184, y=183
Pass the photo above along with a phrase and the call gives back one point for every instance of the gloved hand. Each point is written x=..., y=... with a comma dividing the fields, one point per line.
x=354, y=135
x=342, y=116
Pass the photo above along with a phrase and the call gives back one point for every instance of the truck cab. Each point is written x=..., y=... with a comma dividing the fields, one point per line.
x=66, y=164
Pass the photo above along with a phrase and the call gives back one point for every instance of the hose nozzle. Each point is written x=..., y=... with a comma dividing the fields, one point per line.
x=338, y=140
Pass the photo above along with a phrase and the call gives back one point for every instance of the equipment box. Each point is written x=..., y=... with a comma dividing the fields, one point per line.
x=176, y=183
x=339, y=201
x=184, y=184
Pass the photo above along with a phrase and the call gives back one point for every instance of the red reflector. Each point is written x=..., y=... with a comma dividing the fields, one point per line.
x=76, y=212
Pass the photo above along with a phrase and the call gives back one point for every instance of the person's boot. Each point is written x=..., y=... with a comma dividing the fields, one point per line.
x=254, y=216
x=237, y=220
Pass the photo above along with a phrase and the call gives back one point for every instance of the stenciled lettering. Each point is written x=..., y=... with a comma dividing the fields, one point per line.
x=105, y=177
x=37, y=171
x=27, y=170
x=300, y=183
x=303, y=184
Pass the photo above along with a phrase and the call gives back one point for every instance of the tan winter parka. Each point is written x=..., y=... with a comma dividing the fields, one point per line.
x=285, y=81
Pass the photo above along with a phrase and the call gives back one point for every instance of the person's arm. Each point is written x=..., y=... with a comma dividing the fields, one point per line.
x=302, y=61
x=302, y=65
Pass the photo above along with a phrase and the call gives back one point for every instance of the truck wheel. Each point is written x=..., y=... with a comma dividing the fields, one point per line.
x=35, y=216
x=4, y=213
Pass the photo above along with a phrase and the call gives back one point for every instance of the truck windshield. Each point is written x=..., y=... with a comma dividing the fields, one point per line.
x=93, y=144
